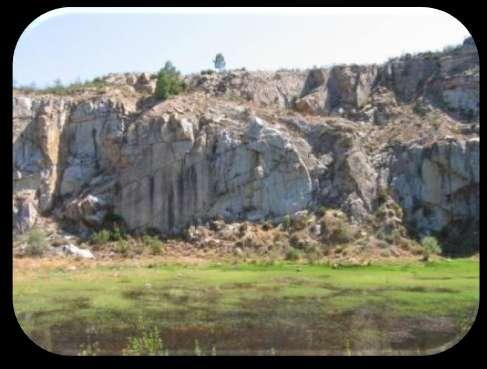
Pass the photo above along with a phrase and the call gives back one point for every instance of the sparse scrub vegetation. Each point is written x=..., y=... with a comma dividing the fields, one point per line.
x=58, y=88
x=435, y=119
x=286, y=222
x=313, y=254
x=117, y=234
x=100, y=237
x=36, y=243
x=299, y=222
x=122, y=247
x=346, y=141
x=153, y=243
x=335, y=228
x=293, y=254
x=207, y=71
x=382, y=195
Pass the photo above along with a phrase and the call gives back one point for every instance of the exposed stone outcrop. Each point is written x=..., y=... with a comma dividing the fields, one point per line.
x=233, y=147
x=24, y=212
x=438, y=187
x=449, y=79
x=185, y=173
x=262, y=88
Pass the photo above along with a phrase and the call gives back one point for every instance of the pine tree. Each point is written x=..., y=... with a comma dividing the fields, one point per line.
x=219, y=61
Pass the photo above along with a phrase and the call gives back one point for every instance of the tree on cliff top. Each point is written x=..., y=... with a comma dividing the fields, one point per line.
x=219, y=61
x=169, y=82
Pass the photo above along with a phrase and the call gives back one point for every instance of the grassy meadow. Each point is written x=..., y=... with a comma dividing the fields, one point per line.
x=280, y=308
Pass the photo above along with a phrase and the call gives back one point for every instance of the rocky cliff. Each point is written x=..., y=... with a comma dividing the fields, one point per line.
x=253, y=146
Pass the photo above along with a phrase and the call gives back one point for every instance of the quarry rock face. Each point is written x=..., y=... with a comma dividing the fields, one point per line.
x=438, y=187
x=185, y=174
x=256, y=146
x=449, y=80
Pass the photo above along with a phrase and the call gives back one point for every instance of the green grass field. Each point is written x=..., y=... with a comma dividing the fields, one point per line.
x=280, y=308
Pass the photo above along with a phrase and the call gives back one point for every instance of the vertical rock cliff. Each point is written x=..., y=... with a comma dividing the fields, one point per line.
x=258, y=145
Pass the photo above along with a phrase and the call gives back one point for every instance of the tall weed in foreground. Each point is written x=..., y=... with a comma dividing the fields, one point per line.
x=149, y=343
x=197, y=348
x=89, y=349
x=348, y=347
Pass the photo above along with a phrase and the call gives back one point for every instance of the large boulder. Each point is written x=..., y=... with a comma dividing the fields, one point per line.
x=72, y=250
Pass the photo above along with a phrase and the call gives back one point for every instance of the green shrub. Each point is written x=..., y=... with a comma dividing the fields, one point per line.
x=380, y=212
x=346, y=141
x=122, y=247
x=169, y=82
x=36, y=243
x=100, y=237
x=335, y=228
x=430, y=246
x=292, y=255
x=313, y=255
x=153, y=243
x=382, y=195
x=117, y=234
x=343, y=234
x=286, y=222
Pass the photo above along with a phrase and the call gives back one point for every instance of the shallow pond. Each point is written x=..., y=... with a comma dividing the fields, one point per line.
x=284, y=310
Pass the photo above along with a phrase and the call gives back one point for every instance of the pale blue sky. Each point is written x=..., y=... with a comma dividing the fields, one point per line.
x=74, y=43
